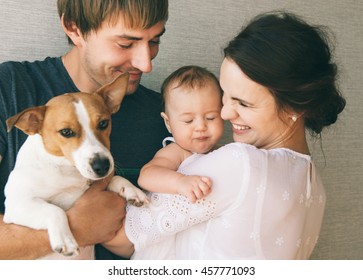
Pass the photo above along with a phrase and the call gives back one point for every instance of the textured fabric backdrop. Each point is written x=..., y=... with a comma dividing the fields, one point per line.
x=196, y=33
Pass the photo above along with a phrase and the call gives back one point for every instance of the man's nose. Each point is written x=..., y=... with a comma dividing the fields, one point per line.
x=142, y=59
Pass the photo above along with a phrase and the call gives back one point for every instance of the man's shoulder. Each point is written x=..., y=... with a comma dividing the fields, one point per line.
x=46, y=77
x=25, y=84
x=30, y=70
x=26, y=65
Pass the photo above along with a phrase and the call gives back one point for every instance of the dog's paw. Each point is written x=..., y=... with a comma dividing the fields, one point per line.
x=126, y=189
x=67, y=247
x=62, y=241
x=67, y=250
x=134, y=196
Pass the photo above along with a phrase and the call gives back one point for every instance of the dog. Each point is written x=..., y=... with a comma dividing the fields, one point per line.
x=67, y=148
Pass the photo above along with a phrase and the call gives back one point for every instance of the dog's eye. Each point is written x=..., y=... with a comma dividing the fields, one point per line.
x=67, y=133
x=102, y=125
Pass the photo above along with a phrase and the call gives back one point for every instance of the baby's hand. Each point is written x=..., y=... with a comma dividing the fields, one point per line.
x=194, y=187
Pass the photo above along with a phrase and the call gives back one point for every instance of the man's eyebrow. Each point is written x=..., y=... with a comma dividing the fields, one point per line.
x=161, y=33
x=133, y=38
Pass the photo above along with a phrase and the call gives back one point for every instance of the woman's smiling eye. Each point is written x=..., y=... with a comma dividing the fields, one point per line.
x=243, y=104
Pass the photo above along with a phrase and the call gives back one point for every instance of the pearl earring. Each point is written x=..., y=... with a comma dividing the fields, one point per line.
x=294, y=118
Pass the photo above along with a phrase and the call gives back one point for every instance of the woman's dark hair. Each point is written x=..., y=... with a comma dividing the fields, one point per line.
x=293, y=60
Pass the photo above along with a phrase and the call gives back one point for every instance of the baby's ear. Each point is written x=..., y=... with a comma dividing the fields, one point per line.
x=29, y=121
x=166, y=121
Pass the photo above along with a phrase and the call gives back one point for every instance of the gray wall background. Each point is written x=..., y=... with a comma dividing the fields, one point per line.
x=196, y=33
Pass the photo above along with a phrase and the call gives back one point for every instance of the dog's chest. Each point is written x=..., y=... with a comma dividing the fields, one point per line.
x=68, y=191
x=59, y=185
x=51, y=178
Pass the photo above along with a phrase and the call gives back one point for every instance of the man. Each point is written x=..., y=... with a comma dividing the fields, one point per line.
x=108, y=37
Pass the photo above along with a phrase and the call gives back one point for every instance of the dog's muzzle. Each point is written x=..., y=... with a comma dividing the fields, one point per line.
x=100, y=165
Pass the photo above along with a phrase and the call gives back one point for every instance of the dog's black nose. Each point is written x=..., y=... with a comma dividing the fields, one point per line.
x=100, y=165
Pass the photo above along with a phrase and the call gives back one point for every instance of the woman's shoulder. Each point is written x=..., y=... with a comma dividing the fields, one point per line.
x=237, y=149
x=236, y=153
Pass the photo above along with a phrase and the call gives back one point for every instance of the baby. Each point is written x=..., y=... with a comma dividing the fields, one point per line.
x=192, y=106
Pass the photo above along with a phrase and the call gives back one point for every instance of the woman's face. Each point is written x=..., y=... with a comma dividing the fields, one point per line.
x=252, y=110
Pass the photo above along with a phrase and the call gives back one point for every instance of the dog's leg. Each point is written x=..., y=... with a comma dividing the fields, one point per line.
x=38, y=214
x=124, y=188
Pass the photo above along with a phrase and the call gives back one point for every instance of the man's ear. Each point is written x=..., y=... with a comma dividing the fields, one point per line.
x=166, y=121
x=114, y=92
x=29, y=121
x=72, y=31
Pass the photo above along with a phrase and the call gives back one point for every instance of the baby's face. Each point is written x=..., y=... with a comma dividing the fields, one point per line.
x=194, y=117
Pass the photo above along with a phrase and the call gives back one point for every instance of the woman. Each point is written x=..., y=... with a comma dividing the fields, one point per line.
x=267, y=200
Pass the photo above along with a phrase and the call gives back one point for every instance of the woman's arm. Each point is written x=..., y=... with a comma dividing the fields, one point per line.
x=166, y=215
x=120, y=244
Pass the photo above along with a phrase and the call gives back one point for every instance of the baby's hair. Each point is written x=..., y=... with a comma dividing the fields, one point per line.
x=189, y=76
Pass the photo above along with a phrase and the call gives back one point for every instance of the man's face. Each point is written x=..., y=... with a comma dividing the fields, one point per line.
x=115, y=49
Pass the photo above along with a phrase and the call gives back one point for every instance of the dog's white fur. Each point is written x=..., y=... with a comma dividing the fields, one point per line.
x=43, y=185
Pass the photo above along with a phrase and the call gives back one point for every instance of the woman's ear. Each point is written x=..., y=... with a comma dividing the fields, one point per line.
x=294, y=116
x=72, y=31
x=166, y=121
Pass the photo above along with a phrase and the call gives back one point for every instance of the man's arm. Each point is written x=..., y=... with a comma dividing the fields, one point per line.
x=18, y=242
x=95, y=218
x=97, y=215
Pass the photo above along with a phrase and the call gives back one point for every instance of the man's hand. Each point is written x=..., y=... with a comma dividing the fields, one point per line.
x=97, y=215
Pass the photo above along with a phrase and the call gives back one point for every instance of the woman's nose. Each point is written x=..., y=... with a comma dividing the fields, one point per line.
x=227, y=112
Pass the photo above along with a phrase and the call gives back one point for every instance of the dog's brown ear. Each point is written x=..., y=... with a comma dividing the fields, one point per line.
x=114, y=92
x=29, y=121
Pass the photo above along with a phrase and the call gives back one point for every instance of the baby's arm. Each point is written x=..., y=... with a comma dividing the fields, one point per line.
x=160, y=175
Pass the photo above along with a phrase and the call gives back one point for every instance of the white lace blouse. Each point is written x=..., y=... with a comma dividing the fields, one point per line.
x=264, y=204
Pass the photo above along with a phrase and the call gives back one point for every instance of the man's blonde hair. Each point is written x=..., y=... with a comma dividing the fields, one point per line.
x=88, y=15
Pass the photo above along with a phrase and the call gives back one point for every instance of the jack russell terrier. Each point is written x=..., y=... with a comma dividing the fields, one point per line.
x=67, y=148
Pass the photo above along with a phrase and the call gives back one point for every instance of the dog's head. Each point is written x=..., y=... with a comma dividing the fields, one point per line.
x=77, y=126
